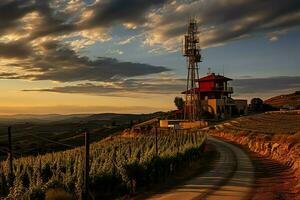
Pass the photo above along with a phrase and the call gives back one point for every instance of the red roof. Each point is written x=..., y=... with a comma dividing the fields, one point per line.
x=213, y=76
x=198, y=90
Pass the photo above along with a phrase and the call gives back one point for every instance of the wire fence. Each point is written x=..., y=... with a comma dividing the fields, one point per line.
x=120, y=162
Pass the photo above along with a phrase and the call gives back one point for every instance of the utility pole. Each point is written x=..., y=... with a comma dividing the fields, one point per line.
x=156, y=152
x=86, y=165
x=10, y=151
x=177, y=140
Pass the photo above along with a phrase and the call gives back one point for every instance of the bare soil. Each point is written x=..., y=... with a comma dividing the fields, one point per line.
x=273, y=180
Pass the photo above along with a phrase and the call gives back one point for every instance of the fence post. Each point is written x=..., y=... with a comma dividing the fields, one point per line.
x=177, y=140
x=86, y=165
x=156, y=152
x=2, y=181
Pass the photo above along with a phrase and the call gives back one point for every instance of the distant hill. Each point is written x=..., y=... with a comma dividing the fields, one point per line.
x=285, y=100
x=76, y=118
x=31, y=133
x=116, y=116
x=24, y=118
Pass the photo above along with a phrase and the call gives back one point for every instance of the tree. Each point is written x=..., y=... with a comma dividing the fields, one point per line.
x=268, y=107
x=179, y=103
x=113, y=123
x=256, y=104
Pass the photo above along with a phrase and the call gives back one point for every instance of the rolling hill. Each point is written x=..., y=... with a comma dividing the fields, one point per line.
x=285, y=100
x=64, y=129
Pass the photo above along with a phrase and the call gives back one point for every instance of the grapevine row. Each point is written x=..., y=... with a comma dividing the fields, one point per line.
x=118, y=167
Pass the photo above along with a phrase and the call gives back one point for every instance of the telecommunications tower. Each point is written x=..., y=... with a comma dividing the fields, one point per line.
x=192, y=52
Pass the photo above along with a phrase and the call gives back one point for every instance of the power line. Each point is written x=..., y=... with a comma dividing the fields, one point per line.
x=52, y=141
x=19, y=154
x=5, y=150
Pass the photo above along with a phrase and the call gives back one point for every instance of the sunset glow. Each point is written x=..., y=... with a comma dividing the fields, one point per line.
x=91, y=56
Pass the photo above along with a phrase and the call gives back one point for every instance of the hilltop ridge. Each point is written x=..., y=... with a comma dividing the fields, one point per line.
x=285, y=100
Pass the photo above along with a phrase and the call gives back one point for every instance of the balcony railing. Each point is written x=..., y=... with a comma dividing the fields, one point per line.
x=228, y=89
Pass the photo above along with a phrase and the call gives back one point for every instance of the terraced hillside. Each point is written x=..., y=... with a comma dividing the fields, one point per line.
x=275, y=137
x=271, y=123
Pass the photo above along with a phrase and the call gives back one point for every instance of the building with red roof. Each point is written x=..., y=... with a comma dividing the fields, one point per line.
x=214, y=96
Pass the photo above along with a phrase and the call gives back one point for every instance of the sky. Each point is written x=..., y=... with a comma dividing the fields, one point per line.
x=93, y=56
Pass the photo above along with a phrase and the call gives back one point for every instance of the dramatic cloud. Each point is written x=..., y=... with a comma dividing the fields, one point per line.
x=221, y=21
x=42, y=39
x=130, y=87
x=17, y=49
x=244, y=88
x=62, y=64
x=266, y=85
x=111, y=12
x=11, y=12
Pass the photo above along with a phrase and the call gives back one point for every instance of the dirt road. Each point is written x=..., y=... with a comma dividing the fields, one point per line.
x=232, y=178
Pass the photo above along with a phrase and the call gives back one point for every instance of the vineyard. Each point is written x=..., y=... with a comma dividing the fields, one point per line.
x=117, y=167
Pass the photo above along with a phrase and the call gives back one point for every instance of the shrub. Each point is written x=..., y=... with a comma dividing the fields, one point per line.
x=58, y=194
x=36, y=193
x=293, y=139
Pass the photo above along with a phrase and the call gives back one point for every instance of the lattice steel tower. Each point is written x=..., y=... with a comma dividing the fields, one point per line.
x=192, y=52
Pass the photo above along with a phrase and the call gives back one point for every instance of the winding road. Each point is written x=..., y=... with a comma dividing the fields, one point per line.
x=232, y=178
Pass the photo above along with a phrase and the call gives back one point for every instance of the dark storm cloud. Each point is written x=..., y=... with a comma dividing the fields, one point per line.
x=18, y=49
x=57, y=21
x=230, y=11
x=59, y=63
x=261, y=85
x=54, y=22
x=274, y=85
x=224, y=21
x=266, y=16
x=108, y=12
x=124, y=88
x=11, y=12
x=53, y=60
x=102, y=69
x=221, y=21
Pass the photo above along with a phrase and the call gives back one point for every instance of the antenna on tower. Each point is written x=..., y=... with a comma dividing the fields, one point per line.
x=223, y=70
x=192, y=52
x=209, y=71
